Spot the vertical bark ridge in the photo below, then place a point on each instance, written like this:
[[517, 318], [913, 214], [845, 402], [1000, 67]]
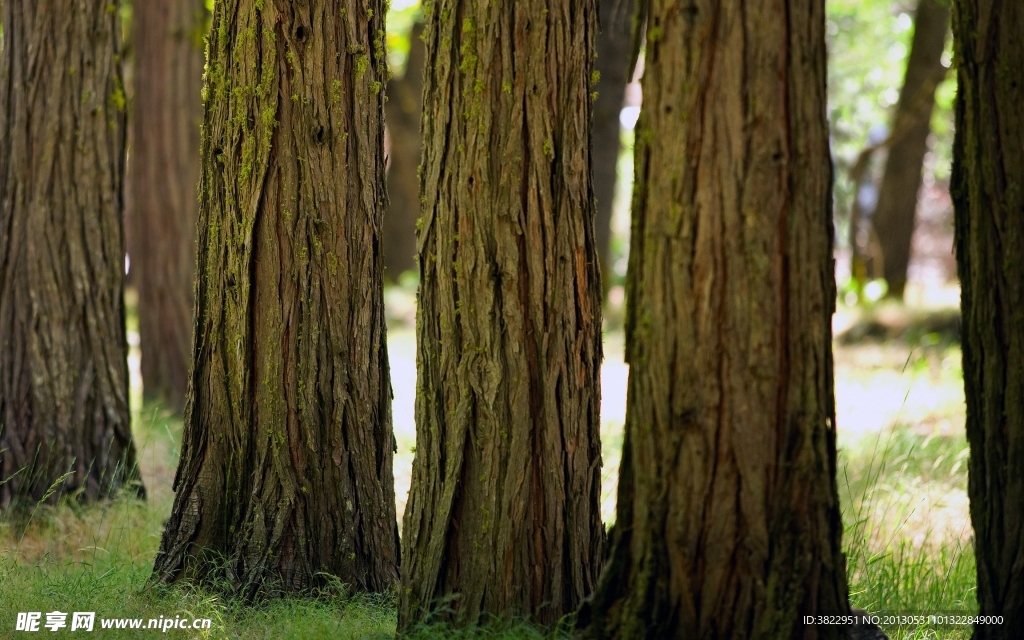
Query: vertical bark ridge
[[286, 457], [988, 162], [728, 519], [63, 367], [503, 514]]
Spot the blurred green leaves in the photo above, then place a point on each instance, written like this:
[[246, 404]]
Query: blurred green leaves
[[868, 43], [401, 16]]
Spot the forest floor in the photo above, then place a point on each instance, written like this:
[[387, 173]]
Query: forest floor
[[902, 483], [902, 460]]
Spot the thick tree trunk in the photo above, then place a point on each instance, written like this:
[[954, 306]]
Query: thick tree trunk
[[614, 46], [403, 110], [897, 200], [503, 514], [63, 353], [988, 167], [728, 522], [162, 179], [285, 473]]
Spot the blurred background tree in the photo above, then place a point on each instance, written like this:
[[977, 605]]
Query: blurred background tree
[[894, 215], [402, 113], [64, 412], [614, 66], [163, 171], [870, 47]]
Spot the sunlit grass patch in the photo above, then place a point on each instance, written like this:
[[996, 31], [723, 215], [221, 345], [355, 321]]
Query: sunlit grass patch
[[907, 531]]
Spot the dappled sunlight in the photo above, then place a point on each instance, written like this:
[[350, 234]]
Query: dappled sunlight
[[878, 385], [902, 458], [402, 358], [614, 382]]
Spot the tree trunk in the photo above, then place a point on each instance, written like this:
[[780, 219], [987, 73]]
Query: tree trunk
[[162, 179], [897, 200], [614, 46], [63, 352], [503, 514], [285, 473], [988, 166], [728, 522], [403, 116]]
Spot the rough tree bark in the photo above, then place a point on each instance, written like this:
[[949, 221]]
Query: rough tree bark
[[728, 522], [162, 178], [897, 200], [63, 366], [286, 472], [503, 514], [403, 110], [988, 167], [614, 48]]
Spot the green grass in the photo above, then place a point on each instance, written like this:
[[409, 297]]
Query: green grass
[[907, 534], [908, 551], [114, 586], [903, 491], [99, 559]]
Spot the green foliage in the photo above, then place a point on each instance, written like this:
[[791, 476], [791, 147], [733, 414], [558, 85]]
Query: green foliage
[[868, 44], [867, 293], [402, 14]]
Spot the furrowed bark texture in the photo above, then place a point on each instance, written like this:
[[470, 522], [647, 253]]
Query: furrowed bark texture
[[503, 515], [163, 176], [63, 353], [614, 48], [403, 108], [897, 200], [286, 456], [988, 168], [728, 522]]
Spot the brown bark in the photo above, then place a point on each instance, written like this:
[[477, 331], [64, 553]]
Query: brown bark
[[988, 166], [63, 353], [503, 514], [897, 199], [285, 473], [727, 522], [863, 252], [403, 117], [614, 48], [163, 179]]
